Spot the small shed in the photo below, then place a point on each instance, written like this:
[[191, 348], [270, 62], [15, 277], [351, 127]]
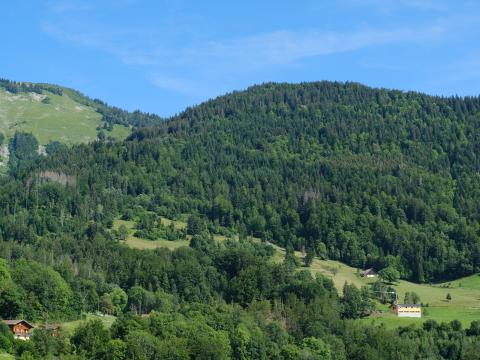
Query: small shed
[[369, 273], [20, 328], [407, 310]]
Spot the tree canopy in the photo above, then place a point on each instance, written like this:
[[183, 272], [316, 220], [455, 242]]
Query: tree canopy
[[371, 177]]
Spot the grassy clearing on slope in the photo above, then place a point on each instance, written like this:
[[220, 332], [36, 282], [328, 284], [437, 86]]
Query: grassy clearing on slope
[[335, 270], [144, 244], [176, 223], [468, 282], [70, 326], [465, 292], [61, 119], [119, 132]]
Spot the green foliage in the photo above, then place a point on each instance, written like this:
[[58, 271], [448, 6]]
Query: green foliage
[[55, 147], [474, 329], [195, 225], [316, 349], [374, 178], [383, 292], [356, 303], [411, 298], [310, 255], [116, 349], [45, 345], [389, 274], [363, 181], [291, 262], [6, 338], [10, 300], [123, 232], [44, 291], [91, 340], [23, 146], [151, 227]]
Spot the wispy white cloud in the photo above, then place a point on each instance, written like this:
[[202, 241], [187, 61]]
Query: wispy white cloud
[[263, 50], [131, 46], [192, 65], [285, 47]]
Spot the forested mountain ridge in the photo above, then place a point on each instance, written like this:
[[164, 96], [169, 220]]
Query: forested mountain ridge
[[369, 172], [371, 177]]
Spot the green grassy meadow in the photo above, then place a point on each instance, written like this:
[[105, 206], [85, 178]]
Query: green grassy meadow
[[70, 326], [119, 132], [62, 119], [144, 244], [465, 292]]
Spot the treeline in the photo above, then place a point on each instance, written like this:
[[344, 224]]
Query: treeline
[[114, 115], [367, 176], [209, 300], [186, 292], [20, 87], [371, 177]]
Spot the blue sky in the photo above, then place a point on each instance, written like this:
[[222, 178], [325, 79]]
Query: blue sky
[[162, 56]]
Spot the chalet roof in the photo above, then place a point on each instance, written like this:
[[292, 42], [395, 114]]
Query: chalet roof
[[15, 322], [370, 272], [408, 305]]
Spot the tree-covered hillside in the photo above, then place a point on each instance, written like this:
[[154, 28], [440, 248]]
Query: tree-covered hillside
[[367, 176], [370, 177]]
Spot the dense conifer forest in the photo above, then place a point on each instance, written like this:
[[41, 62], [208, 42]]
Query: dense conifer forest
[[371, 177]]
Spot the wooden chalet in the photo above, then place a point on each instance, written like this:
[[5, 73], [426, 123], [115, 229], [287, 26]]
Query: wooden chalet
[[369, 273], [21, 329]]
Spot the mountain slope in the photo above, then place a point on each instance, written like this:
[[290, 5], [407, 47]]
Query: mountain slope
[[58, 118], [371, 177], [368, 176], [54, 113]]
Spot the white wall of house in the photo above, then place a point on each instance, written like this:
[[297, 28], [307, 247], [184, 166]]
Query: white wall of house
[[411, 314]]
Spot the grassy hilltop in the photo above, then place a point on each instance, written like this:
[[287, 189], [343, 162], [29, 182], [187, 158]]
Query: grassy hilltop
[[55, 113], [58, 118]]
